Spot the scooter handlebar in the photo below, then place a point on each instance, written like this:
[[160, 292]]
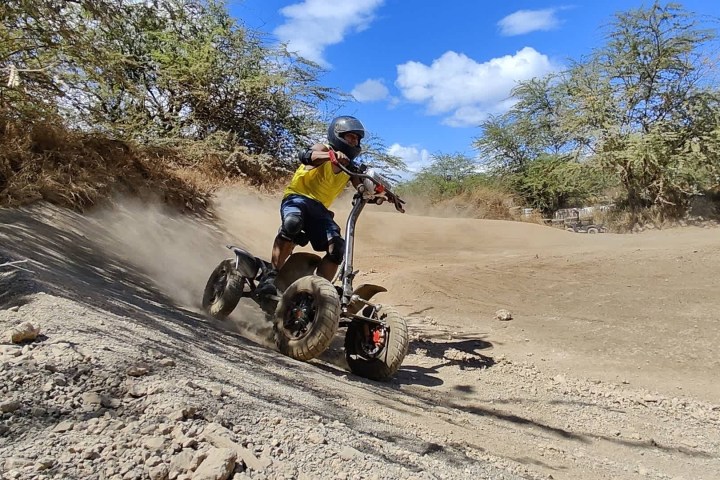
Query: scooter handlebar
[[378, 182]]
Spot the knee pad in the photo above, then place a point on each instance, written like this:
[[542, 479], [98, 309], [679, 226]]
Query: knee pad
[[291, 226], [336, 250]]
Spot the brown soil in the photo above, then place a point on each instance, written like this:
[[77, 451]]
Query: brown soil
[[608, 368]]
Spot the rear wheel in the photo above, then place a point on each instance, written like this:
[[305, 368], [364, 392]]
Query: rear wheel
[[375, 351], [223, 290], [306, 318]]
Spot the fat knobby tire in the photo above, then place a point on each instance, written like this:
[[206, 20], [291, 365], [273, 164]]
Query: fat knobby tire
[[324, 324], [222, 305], [387, 362]]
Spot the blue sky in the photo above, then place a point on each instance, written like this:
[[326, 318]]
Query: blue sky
[[425, 73]]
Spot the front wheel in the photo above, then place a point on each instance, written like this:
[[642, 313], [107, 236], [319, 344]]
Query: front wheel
[[306, 318], [223, 290], [375, 351]]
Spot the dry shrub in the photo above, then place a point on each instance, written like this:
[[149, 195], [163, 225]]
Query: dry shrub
[[484, 202], [706, 206], [215, 162], [534, 217], [258, 170], [45, 161], [626, 221]]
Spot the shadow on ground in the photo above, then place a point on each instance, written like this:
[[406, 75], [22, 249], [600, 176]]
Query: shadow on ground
[[67, 261]]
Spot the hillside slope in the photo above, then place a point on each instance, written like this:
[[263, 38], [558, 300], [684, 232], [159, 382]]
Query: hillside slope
[[607, 370]]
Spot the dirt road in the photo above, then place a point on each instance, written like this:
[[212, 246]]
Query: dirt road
[[608, 368]]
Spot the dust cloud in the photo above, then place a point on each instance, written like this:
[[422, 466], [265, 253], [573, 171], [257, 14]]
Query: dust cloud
[[178, 252]]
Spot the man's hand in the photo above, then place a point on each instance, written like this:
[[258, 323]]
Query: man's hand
[[342, 158]]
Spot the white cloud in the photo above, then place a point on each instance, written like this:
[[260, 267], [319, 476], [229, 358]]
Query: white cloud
[[314, 24], [465, 90], [370, 90], [526, 21], [415, 158]]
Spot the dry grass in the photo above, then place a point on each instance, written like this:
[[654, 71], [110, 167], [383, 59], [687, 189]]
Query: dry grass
[[44, 161], [484, 202]]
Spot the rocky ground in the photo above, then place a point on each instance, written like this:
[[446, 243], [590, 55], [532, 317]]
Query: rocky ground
[[114, 372]]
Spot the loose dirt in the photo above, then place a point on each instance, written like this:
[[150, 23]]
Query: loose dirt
[[608, 368]]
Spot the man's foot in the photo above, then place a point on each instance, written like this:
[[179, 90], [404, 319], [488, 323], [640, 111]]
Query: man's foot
[[266, 284]]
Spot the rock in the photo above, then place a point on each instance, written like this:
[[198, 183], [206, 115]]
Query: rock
[[64, 426], [109, 402], [25, 332], [44, 464], [181, 463], [10, 350], [316, 438], [138, 370], [219, 436], [349, 453], [218, 465], [153, 443], [182, 413], [456, 355], [16, 462], [503, 315], [167, 362], [9, 406], [91, 398], [158, 472], [136, 391]]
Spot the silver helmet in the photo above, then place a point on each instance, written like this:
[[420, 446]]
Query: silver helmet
[[340, 126]]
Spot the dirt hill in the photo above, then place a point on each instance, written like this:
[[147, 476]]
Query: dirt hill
[[608, 368]]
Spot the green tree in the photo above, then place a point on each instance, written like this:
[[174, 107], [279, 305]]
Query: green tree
[[536, 149], [551, 182], [448, 175], [642, 108], [646, 99], [162, 71]]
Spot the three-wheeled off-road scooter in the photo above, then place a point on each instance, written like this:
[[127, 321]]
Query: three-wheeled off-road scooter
[[309, 309]]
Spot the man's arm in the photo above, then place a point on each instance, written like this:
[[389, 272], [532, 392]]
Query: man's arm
[[319, 154]]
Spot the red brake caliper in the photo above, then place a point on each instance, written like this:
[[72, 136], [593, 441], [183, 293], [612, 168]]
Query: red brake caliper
[[377, 336]]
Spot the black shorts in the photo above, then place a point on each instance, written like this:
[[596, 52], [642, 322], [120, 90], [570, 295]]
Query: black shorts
[[318, 223]]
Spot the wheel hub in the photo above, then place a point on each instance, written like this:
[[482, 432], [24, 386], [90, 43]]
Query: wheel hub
[[300, 316]]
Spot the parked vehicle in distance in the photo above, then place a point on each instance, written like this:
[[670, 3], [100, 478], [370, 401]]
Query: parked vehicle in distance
[[585, 228]]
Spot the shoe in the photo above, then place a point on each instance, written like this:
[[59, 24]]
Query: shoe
[[266, 284]]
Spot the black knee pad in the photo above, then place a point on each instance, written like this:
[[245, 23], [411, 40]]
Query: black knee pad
[[291, 226], [336, 250]]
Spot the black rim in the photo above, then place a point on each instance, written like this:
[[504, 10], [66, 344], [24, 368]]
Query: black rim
[[299, 316]]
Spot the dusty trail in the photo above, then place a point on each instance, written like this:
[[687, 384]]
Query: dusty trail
[[608, 369]]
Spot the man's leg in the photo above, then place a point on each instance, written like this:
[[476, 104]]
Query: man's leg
[[281, 250], [291, 226], [327, 269], [332, 259]]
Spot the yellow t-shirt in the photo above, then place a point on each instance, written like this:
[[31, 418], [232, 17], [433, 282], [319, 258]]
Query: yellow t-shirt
[[319, 183]]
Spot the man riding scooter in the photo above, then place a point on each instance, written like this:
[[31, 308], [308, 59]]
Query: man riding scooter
[[304, 210]]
